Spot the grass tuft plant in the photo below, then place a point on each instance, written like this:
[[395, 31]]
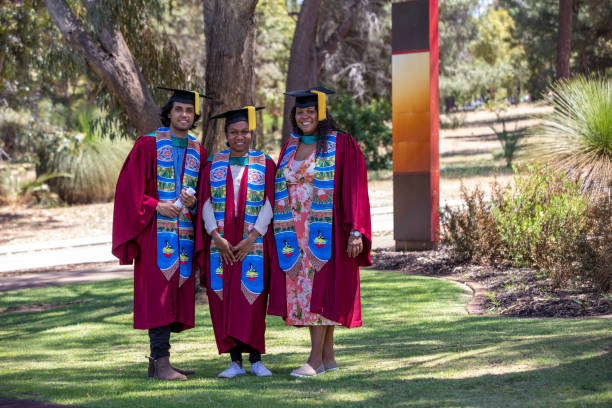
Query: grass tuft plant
[[94, 164], [577, 137]]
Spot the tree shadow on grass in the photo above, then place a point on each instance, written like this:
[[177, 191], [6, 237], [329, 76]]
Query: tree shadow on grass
[[418, 348], [571, 384]]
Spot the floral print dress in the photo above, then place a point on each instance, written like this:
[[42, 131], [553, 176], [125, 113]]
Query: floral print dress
[[300, 185]]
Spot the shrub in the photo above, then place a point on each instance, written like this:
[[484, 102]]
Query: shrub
[[577, 137], [595, 247], [540, 221], [470, 228], [545, 221], [366, 122]]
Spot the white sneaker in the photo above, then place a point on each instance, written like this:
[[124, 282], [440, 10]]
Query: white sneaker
[[233, 370], [260, 370]]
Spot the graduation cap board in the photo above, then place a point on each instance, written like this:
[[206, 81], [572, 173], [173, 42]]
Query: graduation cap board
[[183, 96], [306, 98], [246, 114]]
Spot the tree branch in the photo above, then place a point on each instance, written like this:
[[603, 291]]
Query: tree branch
[[112, 62], [331, 44]]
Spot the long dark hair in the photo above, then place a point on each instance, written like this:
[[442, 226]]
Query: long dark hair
[[324, 127], [165, 111]]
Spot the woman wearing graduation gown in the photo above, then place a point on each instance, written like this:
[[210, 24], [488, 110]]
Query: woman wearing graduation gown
[[321, 227], [237, 191]]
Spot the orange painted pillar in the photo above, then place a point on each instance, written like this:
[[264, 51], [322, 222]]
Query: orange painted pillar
[[416, 169]]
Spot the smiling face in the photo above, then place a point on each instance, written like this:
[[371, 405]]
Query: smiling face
[[181, 117], [307, 119], [239, 138]]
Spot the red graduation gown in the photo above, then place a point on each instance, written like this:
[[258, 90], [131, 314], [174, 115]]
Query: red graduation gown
[[157, 301], [233, 317], [335, 291]]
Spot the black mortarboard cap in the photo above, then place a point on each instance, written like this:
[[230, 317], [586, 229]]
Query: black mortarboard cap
[[246, 114], [183, 96], [306, 98]]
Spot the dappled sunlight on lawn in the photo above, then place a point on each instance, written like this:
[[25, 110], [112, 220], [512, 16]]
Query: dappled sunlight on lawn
[[418, 347]]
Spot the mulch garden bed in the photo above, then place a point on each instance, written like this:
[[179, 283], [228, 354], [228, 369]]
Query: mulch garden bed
[[501, 289]]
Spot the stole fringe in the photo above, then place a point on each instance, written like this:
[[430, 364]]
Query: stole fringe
[[182, 280], [293, 271], [169, 272], [250, 296], [219, 293], [317, 264]]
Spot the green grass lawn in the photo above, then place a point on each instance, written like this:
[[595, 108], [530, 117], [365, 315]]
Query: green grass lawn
[[418, 348]]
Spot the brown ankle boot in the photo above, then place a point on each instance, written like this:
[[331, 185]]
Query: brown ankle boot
[[164, 371], [151, 372], [184, 372]]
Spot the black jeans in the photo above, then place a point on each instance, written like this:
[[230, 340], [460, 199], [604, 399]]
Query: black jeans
[[236, 352], [159, 339]]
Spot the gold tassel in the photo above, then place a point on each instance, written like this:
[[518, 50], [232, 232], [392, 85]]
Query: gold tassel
[[321, 103], [197, 102], [252, 119]]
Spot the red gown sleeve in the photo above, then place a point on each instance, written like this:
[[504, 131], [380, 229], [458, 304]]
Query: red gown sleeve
[[277, 305], [355, 199], [135, 205], [201, 237]]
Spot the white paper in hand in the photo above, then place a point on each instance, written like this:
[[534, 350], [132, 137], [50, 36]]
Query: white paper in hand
[[178, 203]]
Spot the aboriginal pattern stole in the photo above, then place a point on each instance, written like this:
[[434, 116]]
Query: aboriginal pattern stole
[[175, 236], [252, 266], [320, 235]]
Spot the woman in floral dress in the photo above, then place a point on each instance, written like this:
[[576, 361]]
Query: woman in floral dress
[[321, 226]]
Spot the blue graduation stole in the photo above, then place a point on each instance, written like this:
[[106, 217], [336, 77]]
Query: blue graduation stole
[[175, 236], [321, 214], [252, 266]]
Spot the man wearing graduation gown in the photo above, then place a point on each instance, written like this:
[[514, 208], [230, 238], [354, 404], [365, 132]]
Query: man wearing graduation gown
[[237, 295], [153, 227]]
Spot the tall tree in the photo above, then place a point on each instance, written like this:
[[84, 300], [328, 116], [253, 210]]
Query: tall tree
[[311, 46], [229, 26], [537, 30], [109, 57], [565, 37]]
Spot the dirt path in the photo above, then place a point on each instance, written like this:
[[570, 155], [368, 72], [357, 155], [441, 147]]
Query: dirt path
[[465, 157]]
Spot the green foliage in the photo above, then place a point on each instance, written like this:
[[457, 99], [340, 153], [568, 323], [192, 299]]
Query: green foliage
[[368, 123], [503, 61], [577, 137], [540, 220], [536, 29], [457, 30], [34, 62], [544, 221]]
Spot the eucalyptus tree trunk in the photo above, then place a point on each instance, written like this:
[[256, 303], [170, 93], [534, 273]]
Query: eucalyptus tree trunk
[[565, 38], [229, 26], [309, 50], [109, 57]]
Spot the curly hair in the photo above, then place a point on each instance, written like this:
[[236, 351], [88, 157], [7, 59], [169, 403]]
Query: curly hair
[[324, 127], [165, 111]]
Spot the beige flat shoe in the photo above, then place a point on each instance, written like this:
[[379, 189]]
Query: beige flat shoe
[[307, 371], [331, 366]]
